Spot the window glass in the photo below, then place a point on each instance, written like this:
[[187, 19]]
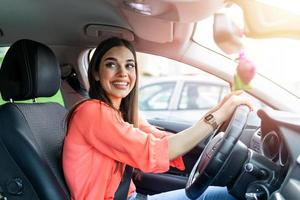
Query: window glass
[[156, 96], [3, 51], [199, 96], [275, 58]]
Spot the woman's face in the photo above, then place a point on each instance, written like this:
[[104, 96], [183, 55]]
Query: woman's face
[[117, 73]]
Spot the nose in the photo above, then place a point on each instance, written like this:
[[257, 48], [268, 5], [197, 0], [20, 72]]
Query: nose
[[122, 72]]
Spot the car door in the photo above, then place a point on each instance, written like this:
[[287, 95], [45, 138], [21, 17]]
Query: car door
[[153, 183]]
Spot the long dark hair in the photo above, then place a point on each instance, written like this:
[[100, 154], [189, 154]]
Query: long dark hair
[[129, 104]]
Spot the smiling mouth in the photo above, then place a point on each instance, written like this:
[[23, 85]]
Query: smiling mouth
[[120, 84]]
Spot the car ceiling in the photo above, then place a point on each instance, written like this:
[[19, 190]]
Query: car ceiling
[[55, 22], [85, 23]]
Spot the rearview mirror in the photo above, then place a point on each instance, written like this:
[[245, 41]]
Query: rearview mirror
[[227, 35]]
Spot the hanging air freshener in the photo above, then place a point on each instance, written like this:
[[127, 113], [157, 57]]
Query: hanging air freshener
[[245, 72]]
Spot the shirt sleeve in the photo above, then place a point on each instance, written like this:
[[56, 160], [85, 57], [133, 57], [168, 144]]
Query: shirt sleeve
[[149, 129], [103, 129]]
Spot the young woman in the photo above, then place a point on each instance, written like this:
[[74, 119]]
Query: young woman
[[105, 132]]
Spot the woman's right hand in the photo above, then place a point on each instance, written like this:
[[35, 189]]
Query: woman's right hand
[[228, 105]]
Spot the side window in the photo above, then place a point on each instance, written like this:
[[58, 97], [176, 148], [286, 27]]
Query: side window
[[3, 51], [156, 96], [56, 98], [198, 95]]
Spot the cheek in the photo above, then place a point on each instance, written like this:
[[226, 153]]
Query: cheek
[[133, 78], [105, 75]]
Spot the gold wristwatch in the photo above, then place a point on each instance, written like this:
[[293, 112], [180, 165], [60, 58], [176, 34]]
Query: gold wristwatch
[[211, 120]]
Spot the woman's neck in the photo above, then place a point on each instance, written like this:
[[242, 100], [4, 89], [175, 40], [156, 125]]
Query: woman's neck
[[116, 102]]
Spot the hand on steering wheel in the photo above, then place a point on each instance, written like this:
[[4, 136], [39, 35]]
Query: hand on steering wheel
[[215, 155]]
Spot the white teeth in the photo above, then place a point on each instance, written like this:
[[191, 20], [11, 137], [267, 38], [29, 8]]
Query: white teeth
[[120, 83]]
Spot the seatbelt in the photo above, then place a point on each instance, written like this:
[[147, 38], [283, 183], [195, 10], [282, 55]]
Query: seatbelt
[[122, 191], [69, 74]]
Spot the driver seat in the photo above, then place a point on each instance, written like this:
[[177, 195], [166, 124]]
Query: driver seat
[[32, 134]]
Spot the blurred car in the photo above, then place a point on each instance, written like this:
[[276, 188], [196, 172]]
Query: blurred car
[[181, 99]]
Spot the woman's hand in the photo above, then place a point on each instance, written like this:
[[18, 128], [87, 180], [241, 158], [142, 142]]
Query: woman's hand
[[187, 139], [227, 106]]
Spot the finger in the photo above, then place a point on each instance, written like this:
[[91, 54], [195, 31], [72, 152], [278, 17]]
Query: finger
[[229, 95], [244, 101]]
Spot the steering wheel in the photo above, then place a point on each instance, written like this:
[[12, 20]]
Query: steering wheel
[[215, 155]]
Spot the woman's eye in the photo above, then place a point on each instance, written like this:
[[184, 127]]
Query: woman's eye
[[111, 65], [130, 66]]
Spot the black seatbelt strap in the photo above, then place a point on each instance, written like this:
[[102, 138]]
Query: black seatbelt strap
[[122, 191], [69, 74]]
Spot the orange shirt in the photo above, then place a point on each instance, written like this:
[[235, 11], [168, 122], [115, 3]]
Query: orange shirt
[[97, 138]]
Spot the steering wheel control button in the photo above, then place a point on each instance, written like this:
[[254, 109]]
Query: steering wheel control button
[[249, 167], [255, 171], [15, 186], [256, 192], [251, 196]]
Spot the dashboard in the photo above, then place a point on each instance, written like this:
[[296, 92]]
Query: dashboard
[[275, 150], [271, 145]]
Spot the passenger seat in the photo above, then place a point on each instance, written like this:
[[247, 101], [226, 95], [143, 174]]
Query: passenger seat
[[31, 134]]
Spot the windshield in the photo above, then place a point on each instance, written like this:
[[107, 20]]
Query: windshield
[[275, 58]]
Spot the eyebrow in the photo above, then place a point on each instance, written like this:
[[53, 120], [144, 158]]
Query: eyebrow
[[111, 58]]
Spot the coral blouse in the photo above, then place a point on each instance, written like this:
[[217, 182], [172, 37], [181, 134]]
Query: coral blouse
[[98, 137]]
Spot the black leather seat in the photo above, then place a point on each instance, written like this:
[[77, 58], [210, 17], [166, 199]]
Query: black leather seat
[[31, 134]]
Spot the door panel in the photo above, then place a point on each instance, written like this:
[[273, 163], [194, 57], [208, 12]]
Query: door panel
[[151, 183]]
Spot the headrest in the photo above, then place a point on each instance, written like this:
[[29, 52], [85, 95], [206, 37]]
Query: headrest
[[29, 70]]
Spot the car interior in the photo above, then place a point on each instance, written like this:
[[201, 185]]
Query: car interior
[[49, 43]]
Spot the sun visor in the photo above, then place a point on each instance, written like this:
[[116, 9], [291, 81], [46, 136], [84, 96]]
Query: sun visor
[[227, 35], [102, 32], [147, 27], [264, 20]]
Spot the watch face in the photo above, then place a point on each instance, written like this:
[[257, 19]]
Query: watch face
[[209, 117]]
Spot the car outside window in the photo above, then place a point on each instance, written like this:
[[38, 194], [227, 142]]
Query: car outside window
[[156, 96], [199, 96]]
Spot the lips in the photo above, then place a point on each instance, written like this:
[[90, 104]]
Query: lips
[[120, 84]]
